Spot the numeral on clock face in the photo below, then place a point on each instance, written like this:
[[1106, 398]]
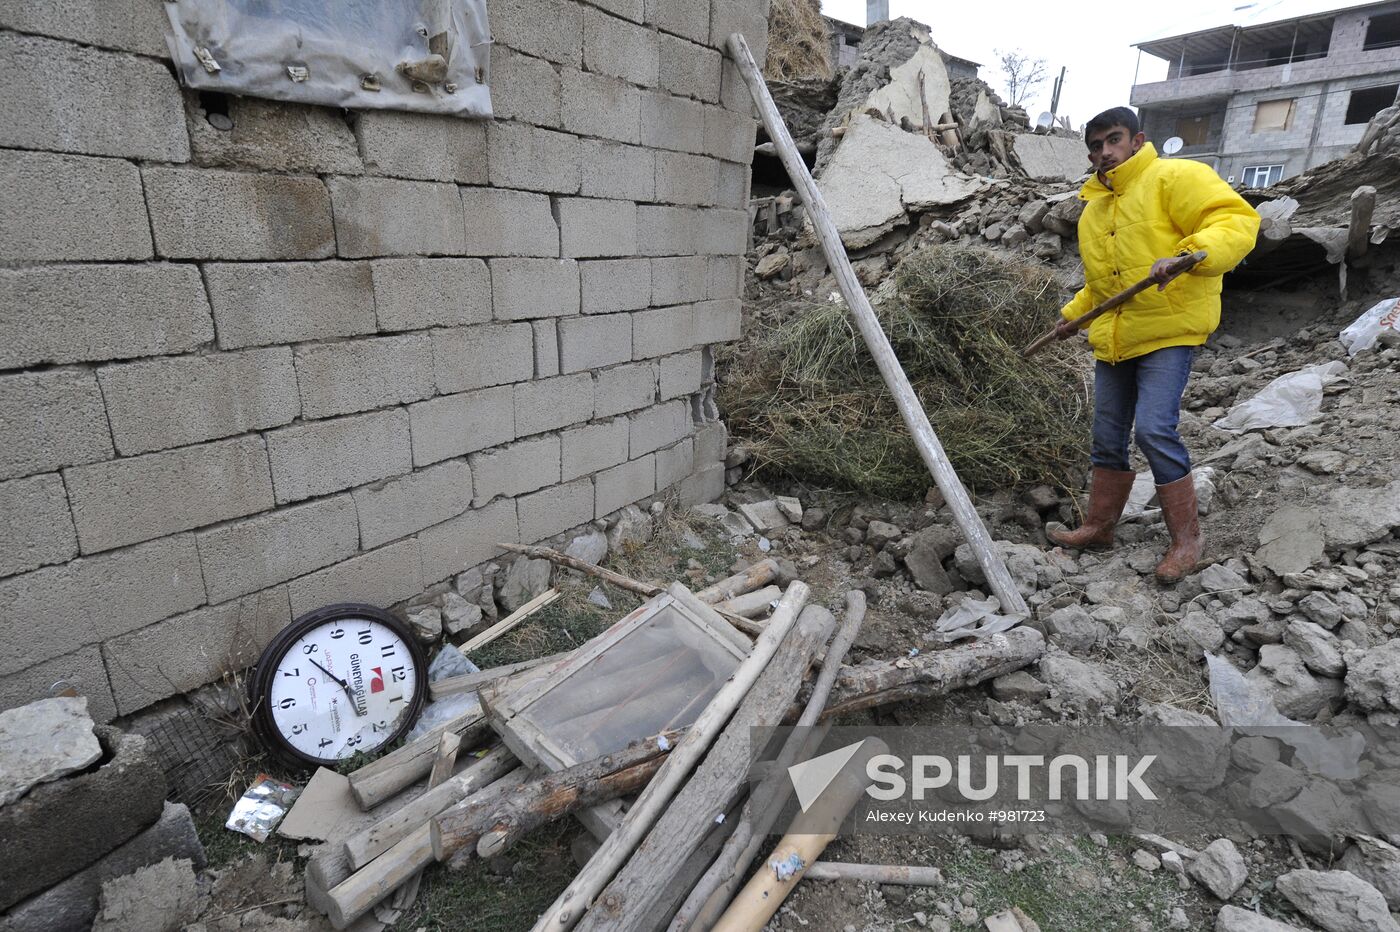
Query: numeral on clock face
[[332, 696]]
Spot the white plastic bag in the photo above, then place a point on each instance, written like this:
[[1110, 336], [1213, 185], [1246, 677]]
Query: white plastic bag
[[959, 621], [1363, 332], [1290, 400]]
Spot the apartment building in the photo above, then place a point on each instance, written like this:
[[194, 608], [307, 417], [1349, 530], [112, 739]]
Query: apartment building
[[1267, 96]]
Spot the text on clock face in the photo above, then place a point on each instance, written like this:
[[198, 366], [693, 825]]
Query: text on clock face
[[341, 687]]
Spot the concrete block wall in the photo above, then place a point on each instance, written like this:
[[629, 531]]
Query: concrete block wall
[[326, 356]]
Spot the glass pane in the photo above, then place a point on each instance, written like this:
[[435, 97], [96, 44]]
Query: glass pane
[[660, 676]]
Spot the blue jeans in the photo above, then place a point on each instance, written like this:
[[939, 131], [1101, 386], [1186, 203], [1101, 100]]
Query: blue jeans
[[1146, 390]]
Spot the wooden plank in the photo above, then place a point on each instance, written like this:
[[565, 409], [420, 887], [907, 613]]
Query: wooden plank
[[471, 682], [569, 906], [368, 844], [378, 780], [509, 622], [628, 902], [930, 448], [490, 826]]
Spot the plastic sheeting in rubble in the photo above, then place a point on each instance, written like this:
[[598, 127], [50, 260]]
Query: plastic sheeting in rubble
[[1290, 400], [1382, 321], [427, 55]]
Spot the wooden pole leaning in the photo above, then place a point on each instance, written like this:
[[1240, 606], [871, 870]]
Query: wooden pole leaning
[[930, 449], [570, 905]]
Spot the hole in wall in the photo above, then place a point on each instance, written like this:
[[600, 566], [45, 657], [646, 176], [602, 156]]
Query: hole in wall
[[215, 107]]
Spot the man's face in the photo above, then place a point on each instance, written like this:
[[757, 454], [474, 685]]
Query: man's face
[[1109, 148]]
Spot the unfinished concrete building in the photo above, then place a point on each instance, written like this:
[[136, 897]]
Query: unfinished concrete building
[[262, 356], [1265, 98]]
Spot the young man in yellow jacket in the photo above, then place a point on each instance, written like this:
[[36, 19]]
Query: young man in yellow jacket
[[1141, 212]]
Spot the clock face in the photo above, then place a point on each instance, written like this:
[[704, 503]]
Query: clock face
[[339, 682]]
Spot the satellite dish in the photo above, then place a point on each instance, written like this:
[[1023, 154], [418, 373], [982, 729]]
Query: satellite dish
[[1173, 145], [1045, 122]]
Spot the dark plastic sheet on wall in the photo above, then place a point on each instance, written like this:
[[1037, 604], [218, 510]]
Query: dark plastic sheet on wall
[[423, 55]]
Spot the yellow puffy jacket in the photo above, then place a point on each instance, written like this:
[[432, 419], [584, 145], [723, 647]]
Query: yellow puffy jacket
[[1157, 208]]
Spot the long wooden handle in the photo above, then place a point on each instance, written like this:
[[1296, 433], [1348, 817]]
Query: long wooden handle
[[1180, 265]]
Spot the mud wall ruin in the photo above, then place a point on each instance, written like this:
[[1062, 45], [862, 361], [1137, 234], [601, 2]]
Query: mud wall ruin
[[321, 356]]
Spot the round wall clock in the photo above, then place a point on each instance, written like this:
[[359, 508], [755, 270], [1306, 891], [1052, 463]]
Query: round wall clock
[[339, 681]]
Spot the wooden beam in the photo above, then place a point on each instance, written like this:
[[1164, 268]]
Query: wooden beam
[[929, 446], [568, 908], [908, 875], [628, 902]]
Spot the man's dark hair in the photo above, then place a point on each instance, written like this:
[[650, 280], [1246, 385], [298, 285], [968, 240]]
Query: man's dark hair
[[1118, 116]]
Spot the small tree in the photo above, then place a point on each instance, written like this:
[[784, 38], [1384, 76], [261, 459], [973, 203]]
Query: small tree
[[1023, 74]]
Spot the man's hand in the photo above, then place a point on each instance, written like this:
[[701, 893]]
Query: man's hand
[[1164, 270], [1066, 329]]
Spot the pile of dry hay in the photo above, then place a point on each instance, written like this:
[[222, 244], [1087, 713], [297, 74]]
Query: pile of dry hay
[[806, 399], [799, 45]]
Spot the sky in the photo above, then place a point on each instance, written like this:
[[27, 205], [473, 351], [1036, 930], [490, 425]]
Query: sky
[[1093, 44]]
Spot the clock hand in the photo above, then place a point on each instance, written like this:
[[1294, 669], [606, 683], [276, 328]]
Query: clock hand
[[343, 685]]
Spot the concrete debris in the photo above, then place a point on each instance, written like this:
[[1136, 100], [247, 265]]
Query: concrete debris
[[159, 898], [1338, 901], [881, 173], [1051, 158], [1291, 540], [43, 741], [765, 516]]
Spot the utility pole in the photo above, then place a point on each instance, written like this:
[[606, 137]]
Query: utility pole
[[876, 11], [1055, 96]]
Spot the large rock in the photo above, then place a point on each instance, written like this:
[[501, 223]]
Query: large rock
[[632, 528], [1051, 158], [160, 898], [524, 580], [1320, 816], [1373, 678], [1019, 686], [1234, 919], [1193, 752], [64, 826], [43, 741], [1355, 517], [1219, 868], [879, 173], [1078, 683], [1220, 580], [1295, 691], [460, 616], [591, 547], [72, 903], [1275, 783], [1075, 629], [1291, 540], [1338, 901], [1317, 647], [1377, 863]]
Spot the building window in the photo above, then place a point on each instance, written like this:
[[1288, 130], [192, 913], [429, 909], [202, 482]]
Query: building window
[[1383, 32], [1366, 102], [1193, 130], [1261, 176], [1273, 116]]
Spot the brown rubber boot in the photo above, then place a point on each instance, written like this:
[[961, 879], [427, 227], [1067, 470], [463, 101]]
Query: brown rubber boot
[[1108, 493], [1178, 500]]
